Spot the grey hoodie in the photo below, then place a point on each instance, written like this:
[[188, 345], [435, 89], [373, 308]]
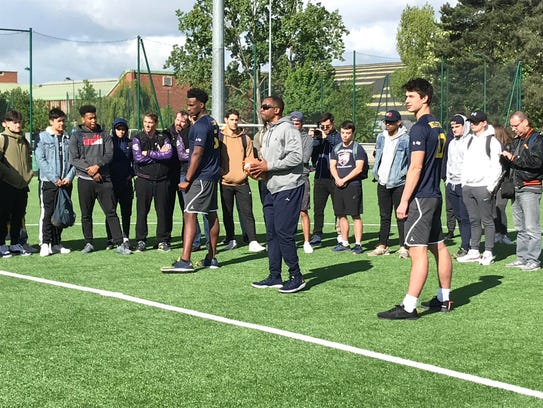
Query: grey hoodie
[[282, 150]]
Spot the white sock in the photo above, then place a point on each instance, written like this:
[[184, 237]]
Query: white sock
[[443, 294], [345, 243], [410, 303]]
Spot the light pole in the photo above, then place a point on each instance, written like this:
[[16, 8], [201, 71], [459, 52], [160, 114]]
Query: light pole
[[270, 51], [73, 92]]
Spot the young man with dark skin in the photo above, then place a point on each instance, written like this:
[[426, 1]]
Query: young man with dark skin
[[421, 204], [91, 151], [200, 185]]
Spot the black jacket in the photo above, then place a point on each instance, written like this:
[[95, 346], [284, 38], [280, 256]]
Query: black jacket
[[527, 164]]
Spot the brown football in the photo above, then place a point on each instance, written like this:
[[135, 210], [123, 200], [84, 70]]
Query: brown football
[[247, 163]]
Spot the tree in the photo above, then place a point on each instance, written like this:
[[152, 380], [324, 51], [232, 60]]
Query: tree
[[299, 40], [481, 44], [19, 100]]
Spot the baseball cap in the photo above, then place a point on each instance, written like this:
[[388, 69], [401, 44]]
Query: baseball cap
[[392, 116], [477, 117]]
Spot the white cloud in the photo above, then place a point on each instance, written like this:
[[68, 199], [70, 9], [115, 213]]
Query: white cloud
[[111, 27]]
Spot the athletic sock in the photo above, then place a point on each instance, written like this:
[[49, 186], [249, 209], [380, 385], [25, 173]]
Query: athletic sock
[[443, 294], [410, 303]]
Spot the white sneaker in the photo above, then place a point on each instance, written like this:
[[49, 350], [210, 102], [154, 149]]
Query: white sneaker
[[18, 249], [45, 250], [4, 251], [507, 241], [255, 247], [59, 249], [487, 258], [308, 249], [472, 256], [232, 244]]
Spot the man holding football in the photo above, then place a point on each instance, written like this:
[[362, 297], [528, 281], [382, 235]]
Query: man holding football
[[283, 164]]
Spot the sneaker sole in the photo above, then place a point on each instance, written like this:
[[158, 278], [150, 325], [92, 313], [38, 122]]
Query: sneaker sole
[[171, 269], [467, 260], [276, 286], [293, 290]]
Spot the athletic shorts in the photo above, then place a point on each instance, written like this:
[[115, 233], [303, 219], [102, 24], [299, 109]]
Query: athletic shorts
[[423, 223], [201, 197], [305, 197], [347, 200]]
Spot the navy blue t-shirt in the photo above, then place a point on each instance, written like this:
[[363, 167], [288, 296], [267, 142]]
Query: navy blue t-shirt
[[428, 136], [205, 133], [346, 161]]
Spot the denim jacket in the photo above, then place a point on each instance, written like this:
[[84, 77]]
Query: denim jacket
[[47, 152], [400, 163]]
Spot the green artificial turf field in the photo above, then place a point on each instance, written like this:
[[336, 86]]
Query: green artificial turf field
[[63, 347]]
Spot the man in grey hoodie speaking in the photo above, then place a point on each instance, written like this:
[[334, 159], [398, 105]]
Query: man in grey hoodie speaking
[[282, 164]]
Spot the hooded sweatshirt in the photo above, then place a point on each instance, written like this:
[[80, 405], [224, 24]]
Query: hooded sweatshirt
[[455, 155], [282, 150], [120, 167], [479, 170], [15, 160], [233, 155], [89, 148]]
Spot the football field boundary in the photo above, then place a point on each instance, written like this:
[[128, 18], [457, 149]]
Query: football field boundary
[[288, 334]]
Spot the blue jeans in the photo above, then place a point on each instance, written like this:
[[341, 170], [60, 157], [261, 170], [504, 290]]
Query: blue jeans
[[454, 196], [525, 211], [197, 239]]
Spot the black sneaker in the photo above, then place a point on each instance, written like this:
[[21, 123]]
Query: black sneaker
[[398, 313], [164, 247], [435, 304], [461, 252], [140, 246], [294, 284], [269, 282]]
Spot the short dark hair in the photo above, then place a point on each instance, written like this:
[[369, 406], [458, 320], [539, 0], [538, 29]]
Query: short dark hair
[[13, 116], [348, 125], [56, 113], [198, 94], [232, 112], [182, 113], [277, 101], [420, 86], [327, 116], [83, 110], [152, 115]]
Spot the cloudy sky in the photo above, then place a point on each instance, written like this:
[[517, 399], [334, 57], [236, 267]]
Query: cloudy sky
[[97, 39]]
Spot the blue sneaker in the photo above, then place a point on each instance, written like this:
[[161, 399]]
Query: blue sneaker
[[177, 267], [269, 282], [357, 250], [340, 248], [294, 284], [315, 240], [209, 263]]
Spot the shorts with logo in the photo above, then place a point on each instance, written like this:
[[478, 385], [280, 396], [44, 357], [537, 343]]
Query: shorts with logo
[[423, 223], [201, 197], [348, 200]]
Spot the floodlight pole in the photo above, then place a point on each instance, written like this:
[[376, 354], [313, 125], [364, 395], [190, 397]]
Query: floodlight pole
[[217, 85], [270, 51]]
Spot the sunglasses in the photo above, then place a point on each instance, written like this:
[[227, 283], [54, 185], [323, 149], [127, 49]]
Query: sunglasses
[[266, 107], [326, 127]]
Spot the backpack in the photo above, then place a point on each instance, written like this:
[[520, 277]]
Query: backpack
[[488, 139], [365, 167]]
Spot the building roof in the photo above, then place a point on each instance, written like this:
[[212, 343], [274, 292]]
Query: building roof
[[56, 91]]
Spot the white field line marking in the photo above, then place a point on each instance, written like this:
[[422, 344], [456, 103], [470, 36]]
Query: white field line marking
[[296, 336]]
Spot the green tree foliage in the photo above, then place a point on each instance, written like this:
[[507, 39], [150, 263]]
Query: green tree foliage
[[19, 100], [124, 104], [304, 35], [341, 105], [485, 40]]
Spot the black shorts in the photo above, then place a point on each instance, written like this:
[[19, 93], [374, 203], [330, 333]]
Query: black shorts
[[423, 223], [305, 197], [201, 197], [348, 200]]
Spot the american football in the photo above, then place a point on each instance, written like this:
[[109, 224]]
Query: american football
[[247, 163]]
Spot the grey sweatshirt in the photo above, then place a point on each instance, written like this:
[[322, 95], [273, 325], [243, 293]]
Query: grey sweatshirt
[[282, 150]]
